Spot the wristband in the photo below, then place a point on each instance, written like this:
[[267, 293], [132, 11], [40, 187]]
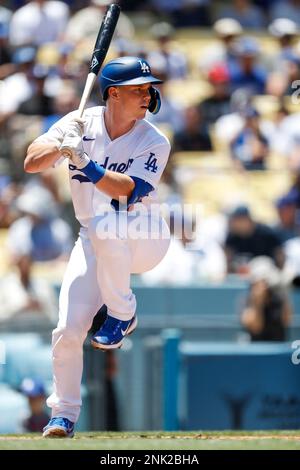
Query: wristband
[[93, 171]]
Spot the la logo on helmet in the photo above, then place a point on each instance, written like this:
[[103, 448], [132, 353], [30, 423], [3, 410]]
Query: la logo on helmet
[[144, 67]]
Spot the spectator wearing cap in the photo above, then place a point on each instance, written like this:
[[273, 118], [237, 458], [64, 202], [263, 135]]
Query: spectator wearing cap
[[250, 148], [289, 216], [246, 73], [34, 390], [218, 104], [285, 32], [226, 30], [174, 59], [247, 239], [268, 311], [289, 9], [85, 23], [285, 64], [38, 22], [247, 14]]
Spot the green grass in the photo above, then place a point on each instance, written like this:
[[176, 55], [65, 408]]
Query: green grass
[[239, 440]]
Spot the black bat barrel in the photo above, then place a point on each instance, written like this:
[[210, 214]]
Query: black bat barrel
[[104, 37]]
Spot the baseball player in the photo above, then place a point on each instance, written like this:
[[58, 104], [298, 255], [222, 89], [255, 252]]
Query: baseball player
[[115, 155]]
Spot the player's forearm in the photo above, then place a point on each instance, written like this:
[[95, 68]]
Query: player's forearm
[[116, 185], [40, 157]]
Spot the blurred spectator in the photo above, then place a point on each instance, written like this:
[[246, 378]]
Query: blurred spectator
[[247, 14], [44, 235], [34, 390], [290, 141], [65, 101], [292, 264], [288, 213], [8, 194], [195, 134], [85, 23], [128, 47], [296, 185], [274, 130], [165, 6], [285, 31], [268, 311], [218, 104], [293, 152], [18, 87], [227, 31], [247, 239], [246, 73], [285, 63], [227, 127], [250, 148], [6, 67], [39, 103], [38, 22], [184, 13], [171, 113], [286, 9], [174, 60]]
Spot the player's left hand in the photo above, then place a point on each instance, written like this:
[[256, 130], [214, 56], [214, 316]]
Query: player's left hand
[[72, 146]]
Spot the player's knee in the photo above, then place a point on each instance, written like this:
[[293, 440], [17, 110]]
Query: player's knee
[[67, 338]]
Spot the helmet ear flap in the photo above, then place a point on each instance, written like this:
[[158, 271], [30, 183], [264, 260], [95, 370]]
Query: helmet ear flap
[[155, 102]]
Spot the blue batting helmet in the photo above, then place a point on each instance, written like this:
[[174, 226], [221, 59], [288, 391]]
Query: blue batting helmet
[[125, 71]]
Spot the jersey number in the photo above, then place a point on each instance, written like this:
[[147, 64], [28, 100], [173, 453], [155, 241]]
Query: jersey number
[[150, 164]]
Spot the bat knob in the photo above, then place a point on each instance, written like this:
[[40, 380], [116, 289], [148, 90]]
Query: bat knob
[[66, 152]]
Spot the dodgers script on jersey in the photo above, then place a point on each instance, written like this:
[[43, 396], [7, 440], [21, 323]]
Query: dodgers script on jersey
[[142, 152]]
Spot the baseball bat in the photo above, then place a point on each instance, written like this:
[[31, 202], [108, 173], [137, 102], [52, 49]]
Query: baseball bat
[[102, 44]]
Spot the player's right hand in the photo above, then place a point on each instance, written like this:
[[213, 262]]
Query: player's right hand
[[72, 146]]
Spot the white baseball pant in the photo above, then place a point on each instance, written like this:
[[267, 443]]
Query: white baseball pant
[[98, 273]]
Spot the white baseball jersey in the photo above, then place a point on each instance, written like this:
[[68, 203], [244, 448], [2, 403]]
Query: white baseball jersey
[[142, 152]]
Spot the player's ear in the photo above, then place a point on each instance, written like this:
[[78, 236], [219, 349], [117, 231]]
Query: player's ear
[[113, 93]]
